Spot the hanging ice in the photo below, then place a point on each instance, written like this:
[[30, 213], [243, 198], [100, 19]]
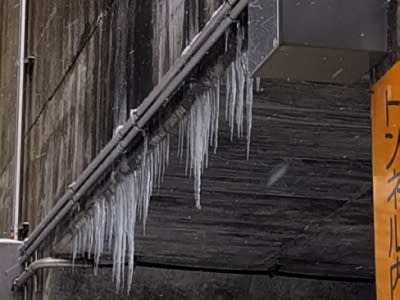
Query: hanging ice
[[199, 129], [239, 90], [113, 217], [113, 214]]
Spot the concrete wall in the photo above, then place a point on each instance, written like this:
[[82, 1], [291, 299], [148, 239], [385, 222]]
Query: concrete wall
[[69, 114], [9, 22], [94, 60]]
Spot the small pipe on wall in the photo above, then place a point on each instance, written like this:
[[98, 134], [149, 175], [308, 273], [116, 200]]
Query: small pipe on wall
[[45, 263], [19, 121]]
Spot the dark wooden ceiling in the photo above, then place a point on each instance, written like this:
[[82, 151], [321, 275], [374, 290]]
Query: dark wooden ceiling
[[315, 220]]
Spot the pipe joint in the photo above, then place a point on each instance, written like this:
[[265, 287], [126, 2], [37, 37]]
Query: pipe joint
[[233, 18], [22, 249], [231, 3], [71, 188], [75, 198], [134, 116], [122, 146], [23, 257], [119, 132]]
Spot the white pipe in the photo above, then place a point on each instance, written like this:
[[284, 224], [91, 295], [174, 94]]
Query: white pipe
[[20, 110], [45, 263]]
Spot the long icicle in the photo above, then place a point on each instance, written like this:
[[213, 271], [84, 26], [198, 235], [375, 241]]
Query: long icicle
[[114, 214], [114, 219], [200, 127]]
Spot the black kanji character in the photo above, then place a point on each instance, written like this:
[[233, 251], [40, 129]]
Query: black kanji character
[[393, 236], [396, 188], [394, 279], [390, 136], [388, 104]]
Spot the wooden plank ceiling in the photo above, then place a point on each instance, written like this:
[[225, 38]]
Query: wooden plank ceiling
[[315, 220]]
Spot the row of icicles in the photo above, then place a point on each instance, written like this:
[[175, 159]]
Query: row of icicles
[[112, 219]]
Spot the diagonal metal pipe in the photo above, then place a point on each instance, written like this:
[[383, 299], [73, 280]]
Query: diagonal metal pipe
[[199, 47], [113, 143]]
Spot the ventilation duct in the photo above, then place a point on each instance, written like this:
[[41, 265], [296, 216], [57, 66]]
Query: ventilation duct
[[334, 41]]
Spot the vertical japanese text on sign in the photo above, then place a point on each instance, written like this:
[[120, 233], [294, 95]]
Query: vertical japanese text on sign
[[385, 114]]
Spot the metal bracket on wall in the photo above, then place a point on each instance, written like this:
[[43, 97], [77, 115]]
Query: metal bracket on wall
[[29, 64]]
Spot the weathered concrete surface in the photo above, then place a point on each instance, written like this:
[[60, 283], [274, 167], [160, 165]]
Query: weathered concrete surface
[[70, 117], [9, 16], [94, 60], [170, 284], [58, 32]]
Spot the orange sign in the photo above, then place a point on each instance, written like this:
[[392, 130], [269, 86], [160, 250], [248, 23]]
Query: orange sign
[[385, 108]]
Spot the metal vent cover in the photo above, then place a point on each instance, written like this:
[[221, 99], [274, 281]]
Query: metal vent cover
[[316, 40]]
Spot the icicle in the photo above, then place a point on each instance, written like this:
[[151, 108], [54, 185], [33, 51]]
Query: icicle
[[232, 99], [74, 249], [181, 138], [114, 218], [200, 130], [111, 218], [227, 33], [132, 211], [240, 69], [167, 152], [240, 98], [118, 234], [239, 92], [99, 227], [216, 109], [201, 126], [228, 94], [214, 95], [258, 84], [249, 110], [113, 214]]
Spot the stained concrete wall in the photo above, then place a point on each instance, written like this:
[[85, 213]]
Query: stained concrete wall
[[69, 114], [94, 60], [9, 18]]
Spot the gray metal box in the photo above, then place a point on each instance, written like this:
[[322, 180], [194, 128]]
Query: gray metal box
[[317, 40], [9, 268]]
